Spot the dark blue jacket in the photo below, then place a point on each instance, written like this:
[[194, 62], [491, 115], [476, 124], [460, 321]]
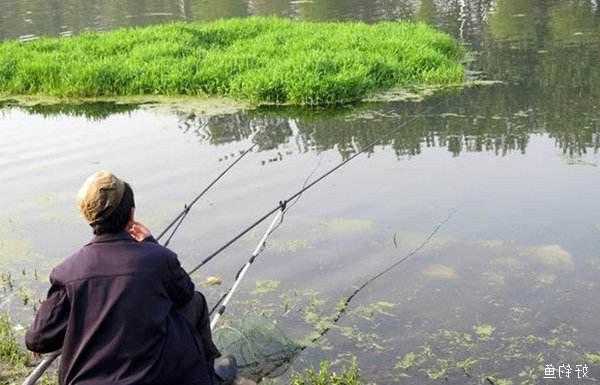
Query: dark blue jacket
[[112, 311]]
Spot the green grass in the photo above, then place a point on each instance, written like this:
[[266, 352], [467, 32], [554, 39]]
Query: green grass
[[10, 350], [257, 60], [15, 362], [325, 376], [12, 357]]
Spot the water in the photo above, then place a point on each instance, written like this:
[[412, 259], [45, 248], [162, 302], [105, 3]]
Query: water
[[507, 286]]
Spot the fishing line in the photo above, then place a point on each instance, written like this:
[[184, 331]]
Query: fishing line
[[284, 210], [306, 188], [181, 216], [344, 305]]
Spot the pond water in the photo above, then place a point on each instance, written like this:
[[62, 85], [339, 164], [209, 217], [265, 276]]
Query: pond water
[[508, 284]]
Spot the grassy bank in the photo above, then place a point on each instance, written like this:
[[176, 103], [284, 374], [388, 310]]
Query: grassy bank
[[259, 60], [15, 362]]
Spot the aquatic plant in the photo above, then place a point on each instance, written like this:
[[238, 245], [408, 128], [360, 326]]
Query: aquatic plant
[[326, 376], [261, 60], [10, 350], [14, 360]]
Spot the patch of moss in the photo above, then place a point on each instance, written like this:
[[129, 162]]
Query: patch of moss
[[260, 60]]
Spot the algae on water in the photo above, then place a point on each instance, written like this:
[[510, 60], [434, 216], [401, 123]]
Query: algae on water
[[552, 256], [484, 331], [259, 60], [265, 286], [439, 271]]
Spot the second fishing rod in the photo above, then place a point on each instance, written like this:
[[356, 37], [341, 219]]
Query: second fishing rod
[[306, 187]]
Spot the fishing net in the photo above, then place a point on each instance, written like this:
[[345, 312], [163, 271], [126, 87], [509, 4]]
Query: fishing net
[[259, 346]]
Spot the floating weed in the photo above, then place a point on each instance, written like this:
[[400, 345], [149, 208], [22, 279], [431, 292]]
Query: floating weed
[[261, 60], [438, 271], [326, 376], [369, 311], [450, 354], [456, 338], [409, 360], [362, 340], [212, 281], [592, 358], [484, 331], [553, 256], [439, 370], [467, 364], [265, 286]]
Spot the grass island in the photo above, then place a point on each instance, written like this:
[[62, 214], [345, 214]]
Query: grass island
[[258, 60]]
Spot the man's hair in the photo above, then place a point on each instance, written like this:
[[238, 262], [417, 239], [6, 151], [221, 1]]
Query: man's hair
[[119, 218]]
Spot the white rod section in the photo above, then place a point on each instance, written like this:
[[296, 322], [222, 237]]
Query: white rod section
[[214, 321]]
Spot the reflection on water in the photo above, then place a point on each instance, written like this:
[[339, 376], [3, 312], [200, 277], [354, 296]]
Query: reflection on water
[[515, 20], [499, 119]]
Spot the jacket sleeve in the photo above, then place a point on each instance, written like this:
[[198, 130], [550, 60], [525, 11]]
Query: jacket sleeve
[[178, 283], [47, 332]]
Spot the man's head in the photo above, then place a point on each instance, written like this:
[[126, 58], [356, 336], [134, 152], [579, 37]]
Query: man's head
[[106, 202]]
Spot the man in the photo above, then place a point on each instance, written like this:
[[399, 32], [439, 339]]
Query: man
[[121, 309]]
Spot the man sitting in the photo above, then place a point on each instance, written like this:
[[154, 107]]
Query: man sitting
[[121, 309]]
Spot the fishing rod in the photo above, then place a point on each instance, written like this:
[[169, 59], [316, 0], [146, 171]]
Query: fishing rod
[[186, 209], [177, 221], [224, 301], [284, 209], [304, 189]]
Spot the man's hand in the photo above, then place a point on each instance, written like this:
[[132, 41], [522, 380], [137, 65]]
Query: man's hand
[[139, 231]]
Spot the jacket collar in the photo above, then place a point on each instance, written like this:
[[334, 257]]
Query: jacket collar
[[111, 237]]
